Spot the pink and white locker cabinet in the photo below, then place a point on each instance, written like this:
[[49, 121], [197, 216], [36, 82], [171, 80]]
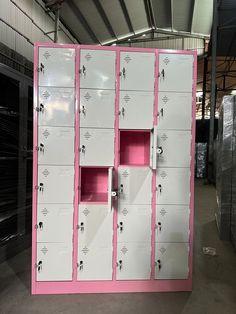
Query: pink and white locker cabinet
[[113, 169]]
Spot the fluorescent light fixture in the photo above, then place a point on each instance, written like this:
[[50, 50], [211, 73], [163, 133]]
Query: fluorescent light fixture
[[233, 92]]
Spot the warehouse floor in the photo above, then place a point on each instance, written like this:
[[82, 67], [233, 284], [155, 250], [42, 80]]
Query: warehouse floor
[[214, 289]]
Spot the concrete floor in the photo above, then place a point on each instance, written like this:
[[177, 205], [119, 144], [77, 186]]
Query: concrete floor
[[214, 286]]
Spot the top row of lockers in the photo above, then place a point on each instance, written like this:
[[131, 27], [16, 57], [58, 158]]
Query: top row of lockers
[[98, 69]]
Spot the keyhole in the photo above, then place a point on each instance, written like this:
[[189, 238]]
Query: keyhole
[[40, 225]]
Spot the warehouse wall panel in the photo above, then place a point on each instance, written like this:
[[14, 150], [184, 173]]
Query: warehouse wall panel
[[27, 17]]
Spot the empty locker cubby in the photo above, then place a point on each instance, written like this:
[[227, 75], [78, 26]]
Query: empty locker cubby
[[134, 148], [94, 185]]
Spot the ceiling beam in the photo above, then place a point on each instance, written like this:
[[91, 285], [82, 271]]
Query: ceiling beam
[[127, 17], [129, 38], [150, 13], [82, 20], [104, 17], [193, 9], [143, 40], [172, 14], [181, 34]]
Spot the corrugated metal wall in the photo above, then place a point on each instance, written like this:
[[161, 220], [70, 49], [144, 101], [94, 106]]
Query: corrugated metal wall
[[28, 18]]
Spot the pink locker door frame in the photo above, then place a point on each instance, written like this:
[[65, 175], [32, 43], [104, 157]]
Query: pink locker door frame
[[113, 285]]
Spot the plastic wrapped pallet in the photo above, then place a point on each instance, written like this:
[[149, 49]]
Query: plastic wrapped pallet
[[200, 160], [224, 166]]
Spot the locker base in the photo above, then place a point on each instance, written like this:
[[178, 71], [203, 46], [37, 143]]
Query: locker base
[[111, 286]]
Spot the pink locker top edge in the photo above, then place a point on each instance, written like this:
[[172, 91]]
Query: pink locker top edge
[[114, 48]]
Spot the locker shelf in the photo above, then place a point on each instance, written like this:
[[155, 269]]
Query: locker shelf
[[134, 148], [94, 185]]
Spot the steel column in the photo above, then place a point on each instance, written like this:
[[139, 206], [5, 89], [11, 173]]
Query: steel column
[[213, 93], [204, 87], [57, 21]]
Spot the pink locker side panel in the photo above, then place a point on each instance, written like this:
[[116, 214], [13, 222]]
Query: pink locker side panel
[[85, 180]]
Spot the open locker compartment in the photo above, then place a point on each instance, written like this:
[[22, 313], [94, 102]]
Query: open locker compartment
[[135, 148], [95, 184]]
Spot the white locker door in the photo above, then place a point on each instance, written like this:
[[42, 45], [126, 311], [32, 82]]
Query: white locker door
[[175, 72], [137, 71], [173, 186], [97, 69], [56, 106], [172, 260], [133, 261], [174, 111], [95, 262], [95, 234], [55, 184], [56, 67], [54, 223], [96, 147], [135, 185], [97, 108], [95, 225], [54, 262], [172, 223], [174, 147], [136, 110], [134, 223], [56, 145]]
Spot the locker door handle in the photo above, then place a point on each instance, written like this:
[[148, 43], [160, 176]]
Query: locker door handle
[[153, 153], [39, 266], [82, 149], [162, 74], [119, 264], [83, 70], [40, 225], [41, 68], [160, 188], [121, 189], [123, 72], [159, 150], [120, 226], [81, 226], [122, 111], [40, 187], [40, 108], [81, 265], [40, 148], [158, 225], [111, 193], [158, 264], [83, 110], [161, 113]]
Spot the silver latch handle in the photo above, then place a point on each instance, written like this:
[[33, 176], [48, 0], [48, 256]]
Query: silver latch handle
[[120, 226], [82, 149], [119, 264]]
